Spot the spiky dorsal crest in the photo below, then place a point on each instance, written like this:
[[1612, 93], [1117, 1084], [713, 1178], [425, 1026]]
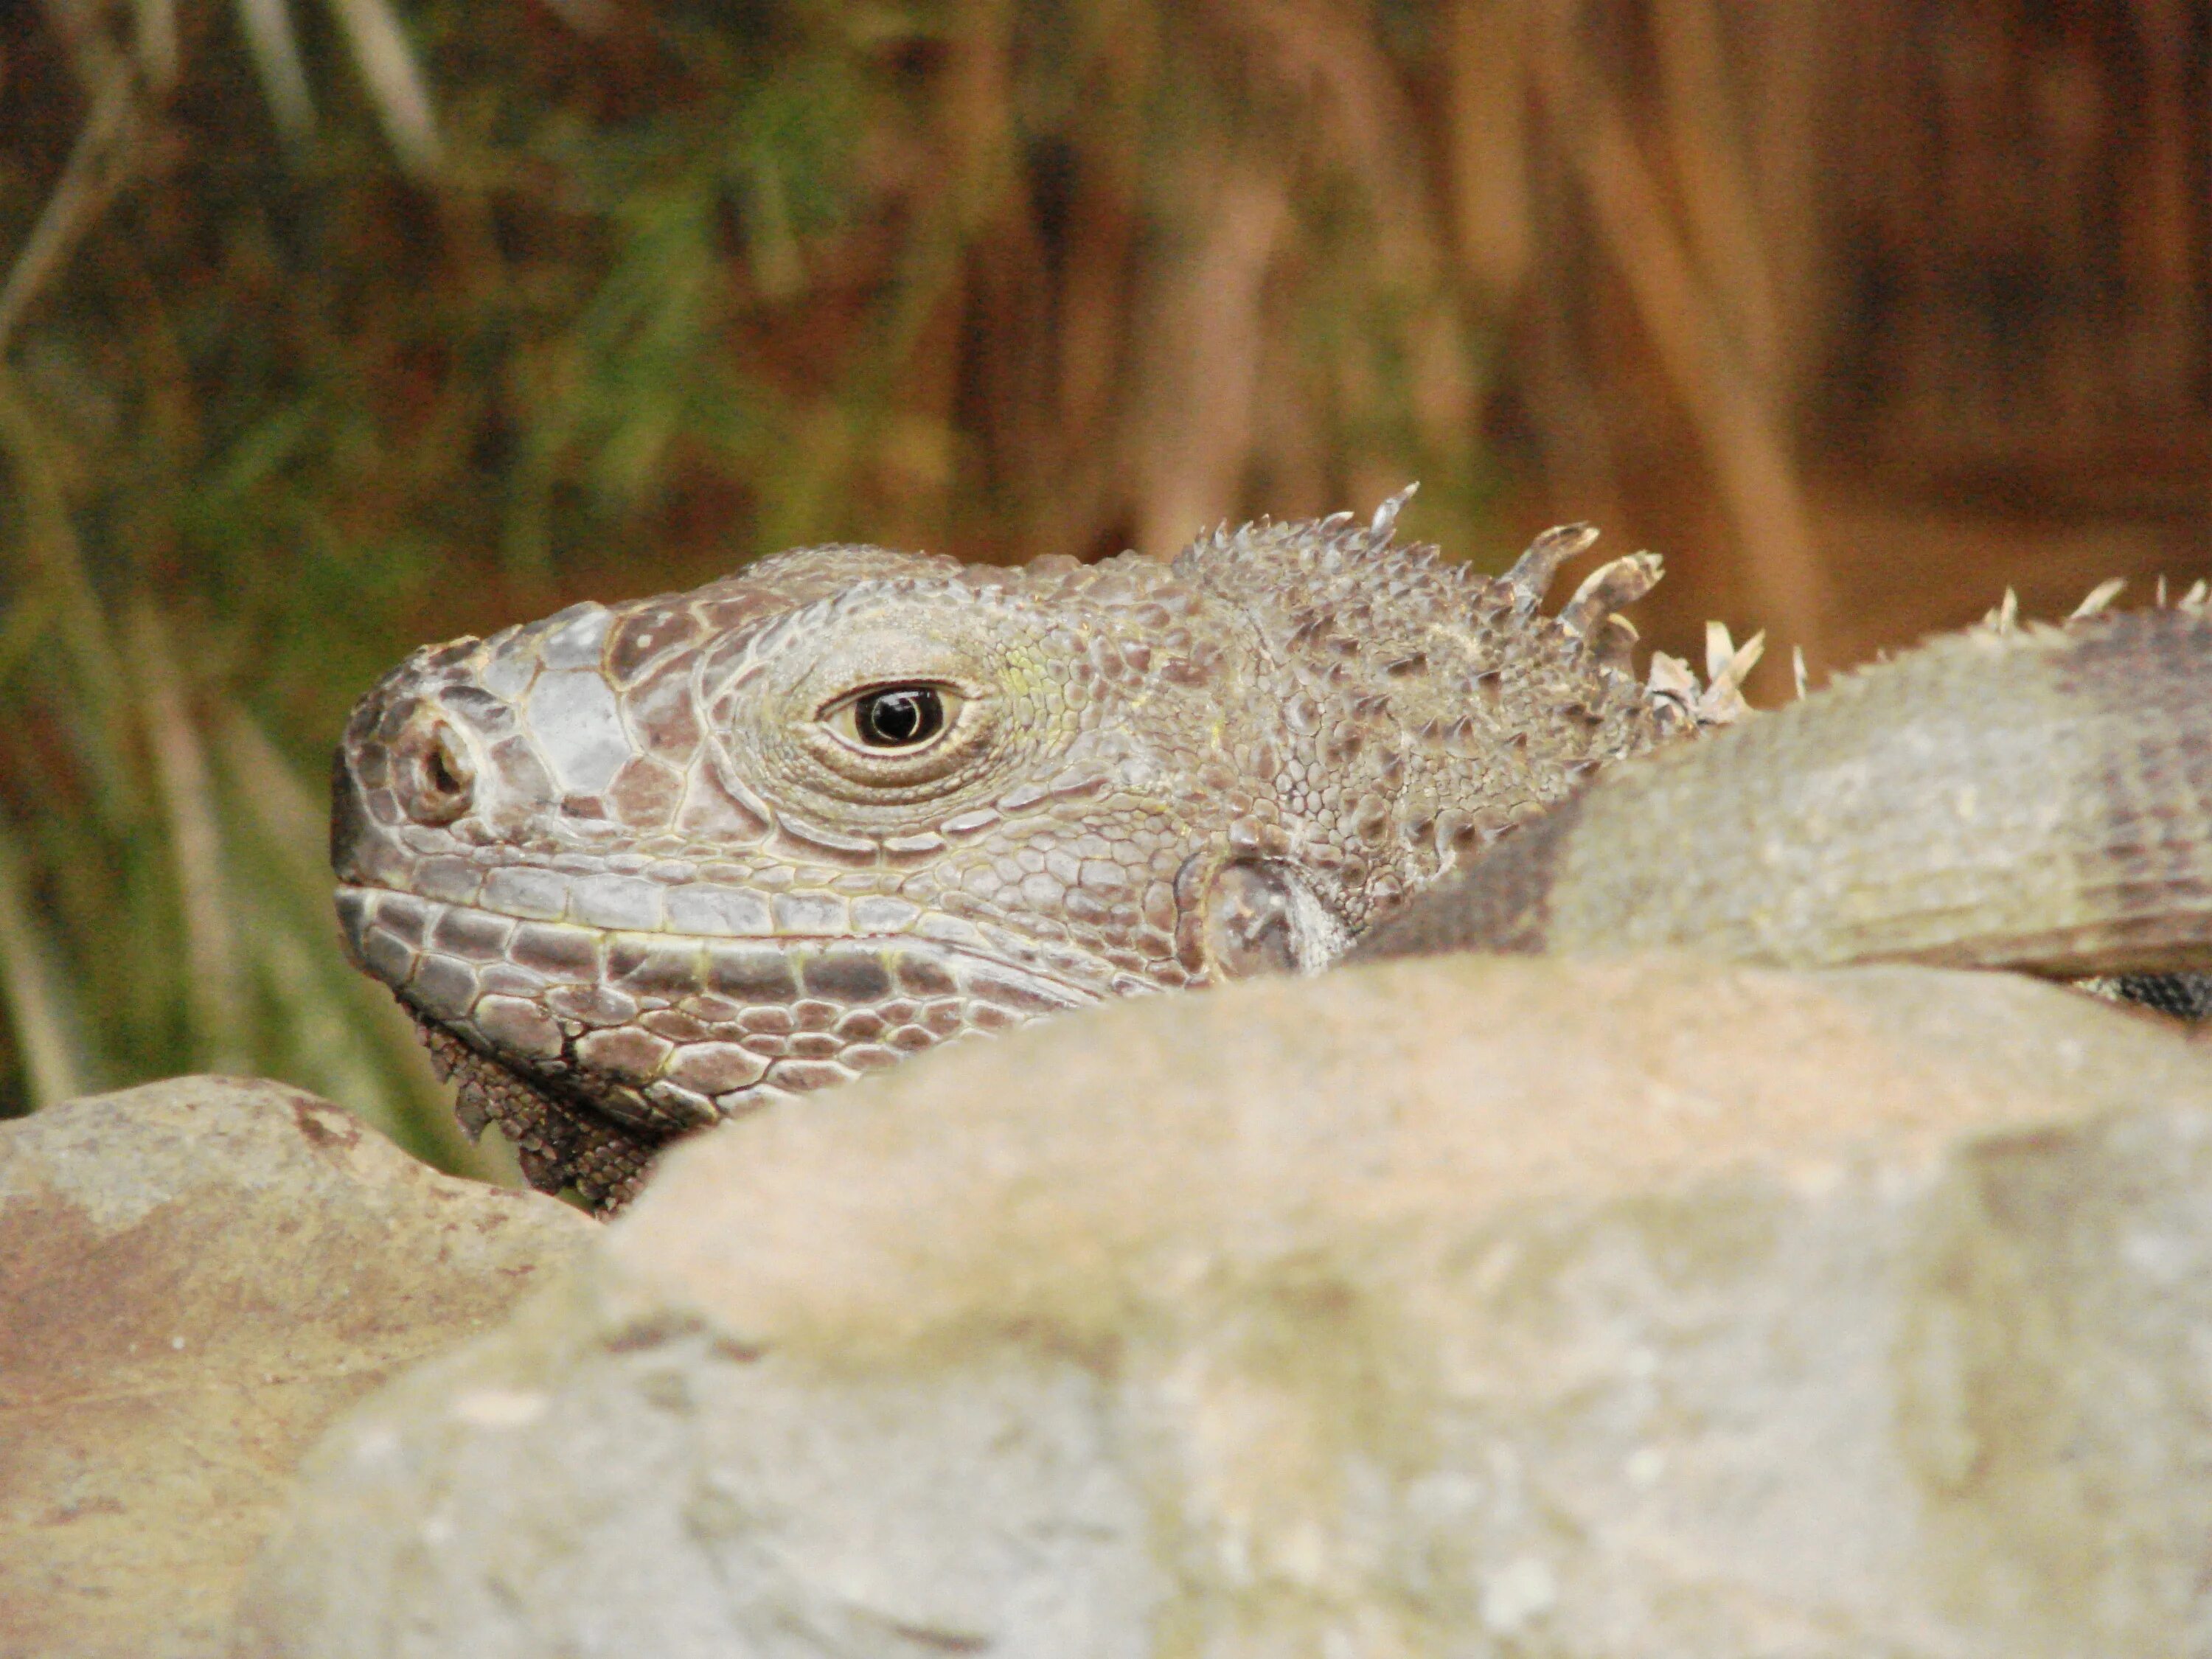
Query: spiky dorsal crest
[[1337, 574]]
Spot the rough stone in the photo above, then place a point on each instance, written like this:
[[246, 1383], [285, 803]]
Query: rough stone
[[195, 1277], [1471, 1307]]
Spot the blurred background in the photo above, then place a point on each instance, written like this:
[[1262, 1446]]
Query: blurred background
[[330, 327]]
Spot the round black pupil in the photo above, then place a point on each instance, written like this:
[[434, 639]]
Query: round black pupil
[[893, 719]]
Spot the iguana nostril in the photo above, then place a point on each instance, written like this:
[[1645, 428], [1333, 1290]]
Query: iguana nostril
[[437, 776]]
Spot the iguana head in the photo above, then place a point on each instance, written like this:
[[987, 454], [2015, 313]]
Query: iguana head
[[639, 867]]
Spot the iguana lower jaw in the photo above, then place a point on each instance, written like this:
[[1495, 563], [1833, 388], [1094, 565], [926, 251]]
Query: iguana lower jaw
[[561, 1142], [578, 1040]]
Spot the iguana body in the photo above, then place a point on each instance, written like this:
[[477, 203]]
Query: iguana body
[[637, 868], [2039, 799]]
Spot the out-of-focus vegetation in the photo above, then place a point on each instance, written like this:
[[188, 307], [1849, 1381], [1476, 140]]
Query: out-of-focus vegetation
[[333, 329], [328, 327]]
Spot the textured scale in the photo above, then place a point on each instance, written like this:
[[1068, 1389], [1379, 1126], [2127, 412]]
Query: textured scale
[[636, 868], [624, 870], [2006, 797]]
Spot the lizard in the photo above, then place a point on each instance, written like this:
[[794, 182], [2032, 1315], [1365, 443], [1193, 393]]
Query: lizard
[[636, 869]]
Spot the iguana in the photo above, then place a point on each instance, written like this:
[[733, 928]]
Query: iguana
[[637, 868]]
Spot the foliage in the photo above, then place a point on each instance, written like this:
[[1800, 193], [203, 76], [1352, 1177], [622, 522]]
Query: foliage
[[330, 330], [329, 327]]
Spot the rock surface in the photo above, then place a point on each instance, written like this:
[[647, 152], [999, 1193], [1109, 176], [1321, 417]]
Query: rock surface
[[1470, 1307], [195, 1277]]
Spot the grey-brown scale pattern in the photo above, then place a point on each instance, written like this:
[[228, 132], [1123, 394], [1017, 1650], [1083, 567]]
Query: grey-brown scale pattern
[[634, 870]]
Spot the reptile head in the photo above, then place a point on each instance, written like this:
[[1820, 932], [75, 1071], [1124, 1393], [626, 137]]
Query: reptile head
[[638, 867]]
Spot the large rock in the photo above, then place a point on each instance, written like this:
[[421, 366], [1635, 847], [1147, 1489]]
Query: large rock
[[1471, 1307], [195, 1278]]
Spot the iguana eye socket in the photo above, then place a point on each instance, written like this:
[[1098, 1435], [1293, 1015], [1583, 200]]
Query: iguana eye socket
[[902, 717]]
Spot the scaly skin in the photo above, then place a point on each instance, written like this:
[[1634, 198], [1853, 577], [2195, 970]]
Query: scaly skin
[[634, 871], [2038, 799]]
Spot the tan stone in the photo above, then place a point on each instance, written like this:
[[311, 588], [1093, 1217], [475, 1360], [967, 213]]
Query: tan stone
[[1470, 1307], [195, 1277]]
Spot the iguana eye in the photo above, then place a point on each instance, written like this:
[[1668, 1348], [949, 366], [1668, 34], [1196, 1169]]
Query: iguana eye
[[894, 716]]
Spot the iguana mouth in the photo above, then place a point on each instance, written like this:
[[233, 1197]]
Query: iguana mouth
[[586, 1038]]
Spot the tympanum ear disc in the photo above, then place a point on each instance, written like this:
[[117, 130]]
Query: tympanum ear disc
[[1248, 924], [1246, 916]]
